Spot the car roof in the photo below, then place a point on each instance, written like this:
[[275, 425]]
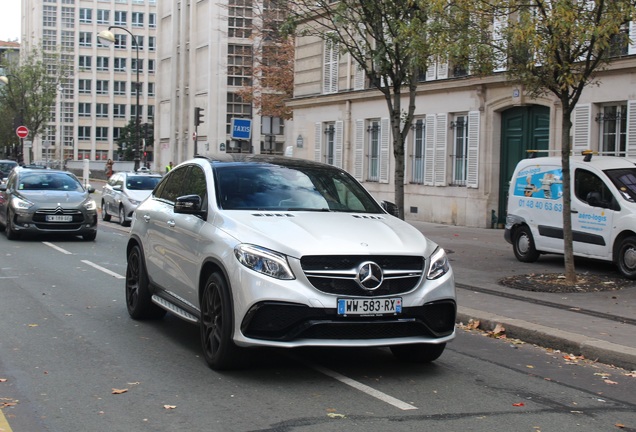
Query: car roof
[[246, 158], [599, 162]]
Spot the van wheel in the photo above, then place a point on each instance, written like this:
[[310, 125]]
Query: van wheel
[[627, 257], [523, 245]]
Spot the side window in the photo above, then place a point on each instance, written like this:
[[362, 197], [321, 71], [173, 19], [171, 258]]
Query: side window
[[174, 185], [196, 184], [589, 188]]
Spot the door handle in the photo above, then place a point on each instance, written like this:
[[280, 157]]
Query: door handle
[[146, 218], [171, 223], [574, 211]]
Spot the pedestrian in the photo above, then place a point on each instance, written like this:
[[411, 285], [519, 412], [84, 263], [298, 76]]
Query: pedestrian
[[109, 168], [169, 167]]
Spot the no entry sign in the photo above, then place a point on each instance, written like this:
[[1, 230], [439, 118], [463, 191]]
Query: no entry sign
[[22, 131]]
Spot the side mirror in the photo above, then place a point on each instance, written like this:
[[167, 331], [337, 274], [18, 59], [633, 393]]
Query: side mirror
[[390, 208], [90, 189], [190, 204]]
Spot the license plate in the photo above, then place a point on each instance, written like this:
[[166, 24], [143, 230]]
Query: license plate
[[384, 306], [59, 218]]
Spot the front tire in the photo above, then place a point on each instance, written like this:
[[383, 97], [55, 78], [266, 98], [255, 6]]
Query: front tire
[[9, 230], [122, 217], [626, 257], [105, 215], [138, 297], [523, 245], [219, 349], [418, 353], [90, 236]]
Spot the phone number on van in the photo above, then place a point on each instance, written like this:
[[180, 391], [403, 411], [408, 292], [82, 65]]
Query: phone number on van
[[540, 205]]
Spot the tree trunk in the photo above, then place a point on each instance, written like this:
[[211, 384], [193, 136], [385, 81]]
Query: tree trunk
[[568, 252]]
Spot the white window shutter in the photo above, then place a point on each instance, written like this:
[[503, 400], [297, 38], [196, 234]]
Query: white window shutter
[[581, 125], [441, 131], [385, 145], [498, 26], [330, 68], [632, 38], [631, 127], [318, 142], [472, 174], [442, 70], [358, 151], [431, 72], [429, 151], [338, 145], [358, 78]]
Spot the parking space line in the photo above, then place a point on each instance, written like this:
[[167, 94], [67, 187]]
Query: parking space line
[[105, 270], [4, 424], [364, 388], [57, 248]]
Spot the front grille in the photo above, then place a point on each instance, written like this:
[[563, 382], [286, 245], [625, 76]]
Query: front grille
[[287, 322], [336, 274], [39, 219]]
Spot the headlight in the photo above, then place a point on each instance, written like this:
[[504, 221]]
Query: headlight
[[263, 261], [134, 202], [439, 264], [20, 204], [90, 205]]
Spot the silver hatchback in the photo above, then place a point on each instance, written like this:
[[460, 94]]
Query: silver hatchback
[[124, 192]]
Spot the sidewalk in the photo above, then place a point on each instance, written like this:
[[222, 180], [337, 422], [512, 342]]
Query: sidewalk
[[606, 331]]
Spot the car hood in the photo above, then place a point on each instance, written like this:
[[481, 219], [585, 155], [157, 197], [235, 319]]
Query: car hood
[[138, 195], [63, 198], [317, 233]]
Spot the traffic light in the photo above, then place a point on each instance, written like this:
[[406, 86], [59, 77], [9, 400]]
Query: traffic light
[[198, 116]]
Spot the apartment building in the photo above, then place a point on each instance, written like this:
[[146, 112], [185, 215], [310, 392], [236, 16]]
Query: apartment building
[[205, 56], [101, 97], [467, 135]]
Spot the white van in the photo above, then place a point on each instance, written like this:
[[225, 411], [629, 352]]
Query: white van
[[603, 207]]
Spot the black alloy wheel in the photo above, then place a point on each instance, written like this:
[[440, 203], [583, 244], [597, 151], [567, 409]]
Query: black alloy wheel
[[138, 296]]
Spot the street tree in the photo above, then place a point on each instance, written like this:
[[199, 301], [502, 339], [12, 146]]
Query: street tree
[[30, 87], [552, 47], [392, 42]]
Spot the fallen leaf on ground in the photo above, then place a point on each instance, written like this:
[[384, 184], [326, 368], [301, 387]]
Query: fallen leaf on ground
[[620, 425], [334, 415], [3, 380], [119, 391], [607, 381], [518, 404], [33, 325], [169, 406], [473, 324], [631, 374]]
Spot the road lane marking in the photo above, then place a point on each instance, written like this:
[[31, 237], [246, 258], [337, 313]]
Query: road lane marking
[[4, 424], [105, 270], [57, 248], [364, 388]]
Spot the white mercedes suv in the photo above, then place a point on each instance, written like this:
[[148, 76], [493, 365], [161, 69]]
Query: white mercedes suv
[[282, 252]]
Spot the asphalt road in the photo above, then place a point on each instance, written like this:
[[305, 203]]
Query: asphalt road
[[72, 360]]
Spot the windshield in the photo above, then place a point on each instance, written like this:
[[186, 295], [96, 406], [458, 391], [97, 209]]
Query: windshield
[[288, 188], [142, 182], [49, 181], [625, 181]]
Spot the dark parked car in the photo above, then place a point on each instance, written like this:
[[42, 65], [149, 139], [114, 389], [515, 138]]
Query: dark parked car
[[281, 252], [37, 201], [5, 168]]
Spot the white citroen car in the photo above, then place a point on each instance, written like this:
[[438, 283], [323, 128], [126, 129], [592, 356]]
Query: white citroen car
[[282, 252]]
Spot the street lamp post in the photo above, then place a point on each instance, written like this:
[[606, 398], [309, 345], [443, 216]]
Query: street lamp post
[[106, 37]]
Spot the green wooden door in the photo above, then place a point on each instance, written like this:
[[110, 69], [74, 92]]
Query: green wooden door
[[522, 128]]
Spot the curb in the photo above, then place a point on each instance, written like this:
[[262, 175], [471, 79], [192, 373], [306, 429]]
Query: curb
[[590, 348]]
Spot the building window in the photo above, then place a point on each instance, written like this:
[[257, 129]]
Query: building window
[[373, 156], [101, 133], [613, 126], [151, 89], [417, 176], [240, 18], [140, 41], [239, 65], [49, 40], [84, 133], [83, 154], [121, 18], [137, 63], [68, 17], [84, 86], [120, 41], [152, 20], [151, 112], [120, 64], [236, 108], [119, 110], [49, 16], [152, 43], [329, 147], [119, 88], [85, 62], [101, 154], [85, 16], [84, 109], [103, 16], [460, 150], [102, 63], [68, 39], [101, 87], [137, 19], [101, 110], [151, 66], [85, 39], [133, 110]]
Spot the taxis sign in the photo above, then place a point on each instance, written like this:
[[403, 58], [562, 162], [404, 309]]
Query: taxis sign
[[241, 129]]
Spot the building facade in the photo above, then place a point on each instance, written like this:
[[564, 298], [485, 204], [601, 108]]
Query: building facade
[[206, 55], [100, 98], [467, 135]]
